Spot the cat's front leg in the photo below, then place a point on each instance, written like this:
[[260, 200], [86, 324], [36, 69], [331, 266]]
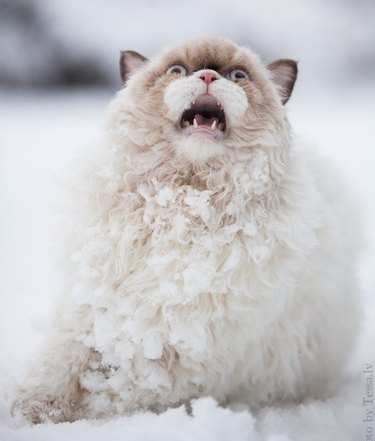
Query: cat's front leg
[[51, 392]]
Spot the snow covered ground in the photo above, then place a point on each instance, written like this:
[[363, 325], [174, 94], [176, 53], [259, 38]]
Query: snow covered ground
[[40, 135]]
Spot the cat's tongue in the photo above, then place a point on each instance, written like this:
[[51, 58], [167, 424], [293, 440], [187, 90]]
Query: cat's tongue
[[202, 121]]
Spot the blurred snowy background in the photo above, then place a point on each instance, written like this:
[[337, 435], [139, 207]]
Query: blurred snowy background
[[58, 70], [76, 42]]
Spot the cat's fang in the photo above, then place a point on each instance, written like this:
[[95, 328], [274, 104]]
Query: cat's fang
[[203, 111]]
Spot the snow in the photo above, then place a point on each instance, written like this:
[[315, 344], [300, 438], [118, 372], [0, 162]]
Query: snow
[[41, 136]]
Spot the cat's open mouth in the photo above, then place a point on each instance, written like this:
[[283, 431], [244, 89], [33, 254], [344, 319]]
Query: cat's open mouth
[[205, 115]]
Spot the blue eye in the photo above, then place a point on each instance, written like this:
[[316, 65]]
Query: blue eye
[[177, 69], [237, 74]]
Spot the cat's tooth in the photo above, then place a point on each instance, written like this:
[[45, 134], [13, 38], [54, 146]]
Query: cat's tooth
[[195, 123], [221, 126], [213, 125], [219, 105], [186, 123]]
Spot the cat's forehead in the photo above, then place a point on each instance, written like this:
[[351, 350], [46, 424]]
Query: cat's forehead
[[210, 54]]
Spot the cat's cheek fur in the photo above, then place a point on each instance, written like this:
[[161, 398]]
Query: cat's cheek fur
[[233, 99], [179, 94]]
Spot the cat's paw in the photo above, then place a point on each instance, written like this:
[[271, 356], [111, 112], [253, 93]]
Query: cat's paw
[[39, 411]]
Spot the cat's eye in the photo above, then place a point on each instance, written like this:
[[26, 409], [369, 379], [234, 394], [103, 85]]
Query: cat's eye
[[177, 69], [237, 74]]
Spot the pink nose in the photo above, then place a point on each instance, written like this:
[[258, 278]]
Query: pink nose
[[208, 77]]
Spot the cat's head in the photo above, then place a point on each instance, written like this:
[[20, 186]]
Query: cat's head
[[205, 99]]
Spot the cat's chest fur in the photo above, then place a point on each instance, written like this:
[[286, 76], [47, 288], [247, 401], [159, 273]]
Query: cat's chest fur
[[176, 273], [173, 262]]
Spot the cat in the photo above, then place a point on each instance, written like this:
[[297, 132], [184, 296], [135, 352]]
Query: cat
[[211, 254]]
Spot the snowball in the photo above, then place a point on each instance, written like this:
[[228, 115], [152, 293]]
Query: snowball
[[164, 196], [250, 229]]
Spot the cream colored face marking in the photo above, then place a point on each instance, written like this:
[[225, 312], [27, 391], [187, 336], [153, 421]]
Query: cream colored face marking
[[183, 93]]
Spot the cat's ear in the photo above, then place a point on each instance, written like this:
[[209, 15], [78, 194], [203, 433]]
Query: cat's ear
[[284, 74], [130, 61]]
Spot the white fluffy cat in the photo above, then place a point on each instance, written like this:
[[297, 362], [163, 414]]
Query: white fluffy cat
[[212, 256]]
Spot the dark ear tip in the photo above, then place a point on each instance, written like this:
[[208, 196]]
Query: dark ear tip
[[294, 65], [284, 74], [130, 61], [124, 54]]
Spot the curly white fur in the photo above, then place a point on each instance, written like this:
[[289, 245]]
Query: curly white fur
[[200, 267]]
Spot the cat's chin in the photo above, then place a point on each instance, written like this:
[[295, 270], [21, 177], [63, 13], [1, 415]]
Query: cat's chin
[[199, 147]]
